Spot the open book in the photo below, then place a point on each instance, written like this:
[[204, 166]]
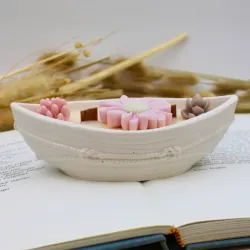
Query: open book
[[41, 208]]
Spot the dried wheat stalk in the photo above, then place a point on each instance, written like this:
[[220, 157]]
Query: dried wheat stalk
[[134, 78], [81, 84], [48, 58]]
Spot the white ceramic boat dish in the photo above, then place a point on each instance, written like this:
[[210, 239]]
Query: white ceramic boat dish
[[99, 154]]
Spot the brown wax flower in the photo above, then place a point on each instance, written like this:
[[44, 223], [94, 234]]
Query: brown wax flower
[[195, 106]]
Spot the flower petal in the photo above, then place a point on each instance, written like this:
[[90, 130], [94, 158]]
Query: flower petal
[[152, 121], [60, 117], [190, 115], [125, 120], [158, 112], [58, 101], [161, 120], [197, 110], [54, 110], [114, 118], [66, 112], [169, 118], [46, 102], [124, 99], [198, 101], [143, 120], [160, 105], [49, 114], [184, 114], [103, 114], [206, 105], [134, 123], [188, 104], [147, 99], [43, 110], [110, 104]]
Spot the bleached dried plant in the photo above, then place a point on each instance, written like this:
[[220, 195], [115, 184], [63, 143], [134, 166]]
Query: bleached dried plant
[[72, 75]]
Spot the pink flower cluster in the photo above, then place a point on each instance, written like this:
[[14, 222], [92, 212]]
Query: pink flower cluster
[[135, 113], [55, 108]]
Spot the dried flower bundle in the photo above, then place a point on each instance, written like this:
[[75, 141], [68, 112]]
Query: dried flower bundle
[[73, 76]]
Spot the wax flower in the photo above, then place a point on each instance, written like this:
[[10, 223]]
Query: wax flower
[[55, 108], [135, 113]]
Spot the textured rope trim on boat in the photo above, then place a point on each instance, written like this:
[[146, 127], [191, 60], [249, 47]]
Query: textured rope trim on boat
[[168, 152]]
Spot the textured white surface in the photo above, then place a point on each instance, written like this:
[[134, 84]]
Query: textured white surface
[[40, 201], [99, 154], [219, 30]]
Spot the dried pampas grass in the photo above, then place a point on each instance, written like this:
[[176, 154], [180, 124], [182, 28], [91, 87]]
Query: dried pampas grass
[[7, 120], [183, 78], [63, 62], [30, 86]]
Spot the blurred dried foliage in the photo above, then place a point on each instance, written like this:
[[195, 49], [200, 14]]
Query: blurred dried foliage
[[45, 80]]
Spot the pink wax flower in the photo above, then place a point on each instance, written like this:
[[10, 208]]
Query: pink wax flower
[[135, 113], [55, 108]]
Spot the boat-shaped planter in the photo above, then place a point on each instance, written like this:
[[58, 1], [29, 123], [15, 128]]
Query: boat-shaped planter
[[90, 151]]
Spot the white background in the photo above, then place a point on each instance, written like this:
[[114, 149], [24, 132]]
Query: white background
[[219, 30]]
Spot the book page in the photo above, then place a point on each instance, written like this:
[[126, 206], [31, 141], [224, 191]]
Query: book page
[[17, 161], [216, 188], [202, 195], [40, 206], [234, 148]]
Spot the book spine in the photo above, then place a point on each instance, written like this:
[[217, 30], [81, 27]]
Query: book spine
[[177, 234]]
